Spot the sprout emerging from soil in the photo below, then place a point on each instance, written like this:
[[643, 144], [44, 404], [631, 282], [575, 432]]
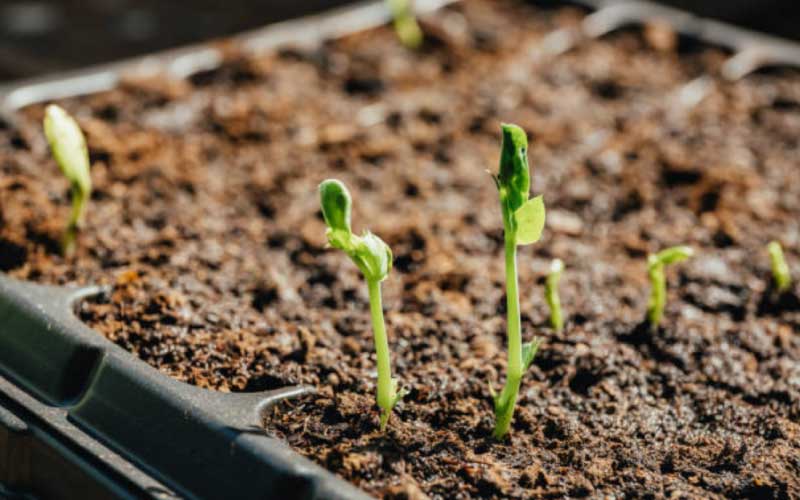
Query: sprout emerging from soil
[[658, 281], [373, 258], [69, 150], [523, 222], [780, 271], [551, 294], [405, 23]]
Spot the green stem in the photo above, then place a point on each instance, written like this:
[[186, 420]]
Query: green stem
[[386, 391], [505, 403], [75, 222], [658, 295]]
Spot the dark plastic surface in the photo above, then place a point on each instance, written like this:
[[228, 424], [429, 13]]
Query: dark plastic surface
[[199, 443], [48, 36]]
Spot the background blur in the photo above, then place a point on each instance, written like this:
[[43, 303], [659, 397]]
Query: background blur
[[44, 36]]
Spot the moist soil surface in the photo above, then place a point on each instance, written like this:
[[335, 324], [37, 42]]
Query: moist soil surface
[[205, 222]]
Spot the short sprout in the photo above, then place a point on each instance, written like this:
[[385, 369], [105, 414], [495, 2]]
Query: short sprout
[[658, 281], [551, 294], [405, 23], [68, 147], [780, 270]]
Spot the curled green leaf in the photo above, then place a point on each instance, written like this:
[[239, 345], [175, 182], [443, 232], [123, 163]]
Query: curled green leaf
[[513, 179], [372, 256], [658, 280], [336, 205], [673, 255]]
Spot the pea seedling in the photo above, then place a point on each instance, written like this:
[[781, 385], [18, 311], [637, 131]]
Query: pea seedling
[[780, 271], [373, 258], [551, 294], [658, 281], [405, 23], [523, 222], [68, 147]]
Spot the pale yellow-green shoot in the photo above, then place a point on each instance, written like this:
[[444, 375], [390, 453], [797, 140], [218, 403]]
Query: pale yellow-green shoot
[[551, 294], [658, 280], [780, 270], [405, 23], [68, 147]]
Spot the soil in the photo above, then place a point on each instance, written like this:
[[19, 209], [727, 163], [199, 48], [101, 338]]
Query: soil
[[205, 221]]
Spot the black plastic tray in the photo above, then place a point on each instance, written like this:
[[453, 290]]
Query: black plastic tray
[[82, 418]]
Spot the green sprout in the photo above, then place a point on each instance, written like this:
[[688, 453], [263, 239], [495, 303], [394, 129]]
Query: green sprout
[[523, 222], [69, 150], [780, 271], [658, 281], [551, 294], [405, 23], [373, 258]]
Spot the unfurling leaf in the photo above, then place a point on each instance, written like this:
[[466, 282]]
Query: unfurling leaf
[[529, 350], [372, 256], [673, 255], [530, 219]]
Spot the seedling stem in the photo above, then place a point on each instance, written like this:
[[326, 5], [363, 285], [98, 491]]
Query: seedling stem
[[374, 259], [523, 221]]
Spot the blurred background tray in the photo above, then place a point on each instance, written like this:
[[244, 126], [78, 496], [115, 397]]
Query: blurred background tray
[[39, 37]]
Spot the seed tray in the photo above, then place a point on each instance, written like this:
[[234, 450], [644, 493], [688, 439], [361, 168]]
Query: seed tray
[[81, 417]]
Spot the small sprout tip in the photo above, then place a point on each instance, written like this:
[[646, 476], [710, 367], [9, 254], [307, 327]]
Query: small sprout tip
[[405, 23], [780, 270]]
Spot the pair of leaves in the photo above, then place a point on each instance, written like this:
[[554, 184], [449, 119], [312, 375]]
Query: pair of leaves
[[523, 217]]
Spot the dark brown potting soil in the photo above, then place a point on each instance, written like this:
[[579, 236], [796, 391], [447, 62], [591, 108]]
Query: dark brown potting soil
[[205, 220]]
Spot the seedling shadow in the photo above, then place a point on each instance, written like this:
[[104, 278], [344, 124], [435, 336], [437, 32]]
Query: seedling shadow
[[773, 302], [650, 343]]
